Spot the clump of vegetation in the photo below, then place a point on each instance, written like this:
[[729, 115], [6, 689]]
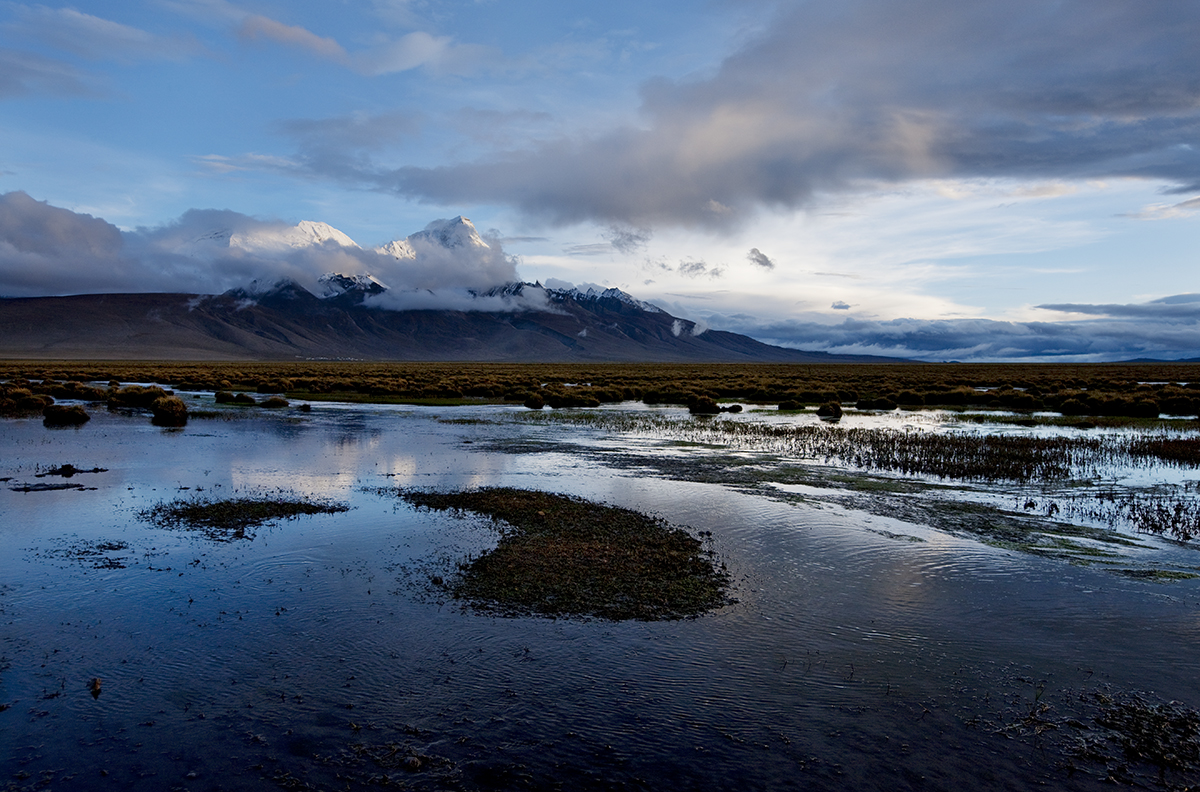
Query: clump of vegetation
[[883, 403], [136, 396], [830, 411], [63, 415], [169, 411], [274, 402], [565, 556], [1166, 735], [20, 402], [230, 519]]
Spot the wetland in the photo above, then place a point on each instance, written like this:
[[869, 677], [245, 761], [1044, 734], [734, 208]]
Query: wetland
[[411, 583]]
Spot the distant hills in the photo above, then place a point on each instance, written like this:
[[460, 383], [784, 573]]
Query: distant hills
[[286, 321]]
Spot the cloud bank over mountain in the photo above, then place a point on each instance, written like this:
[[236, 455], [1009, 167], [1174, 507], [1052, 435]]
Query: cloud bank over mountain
[[48, 250], [1167, 328]]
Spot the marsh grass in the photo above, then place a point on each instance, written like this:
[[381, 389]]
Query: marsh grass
[[1092, 390], [233, 518], [1173, 514], [565, 556]]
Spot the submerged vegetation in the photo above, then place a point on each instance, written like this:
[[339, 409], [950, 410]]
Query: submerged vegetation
[[949, 455], [230, 519], [565, 556]]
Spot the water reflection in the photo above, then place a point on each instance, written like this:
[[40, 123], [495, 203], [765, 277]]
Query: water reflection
[[861, 651]]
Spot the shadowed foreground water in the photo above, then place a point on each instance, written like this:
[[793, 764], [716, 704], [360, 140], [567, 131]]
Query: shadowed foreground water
[[863, 652]]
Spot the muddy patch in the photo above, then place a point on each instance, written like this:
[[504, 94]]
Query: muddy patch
[[231, 519], [49, 487], [67, 471]]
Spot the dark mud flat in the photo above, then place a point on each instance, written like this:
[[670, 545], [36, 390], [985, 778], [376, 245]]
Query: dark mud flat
[[564, 556]]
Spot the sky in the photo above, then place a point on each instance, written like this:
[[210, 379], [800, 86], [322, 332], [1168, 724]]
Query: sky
[[930, 179]]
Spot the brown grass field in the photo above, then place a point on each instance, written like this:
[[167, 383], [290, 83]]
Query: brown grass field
[[1137, 390]]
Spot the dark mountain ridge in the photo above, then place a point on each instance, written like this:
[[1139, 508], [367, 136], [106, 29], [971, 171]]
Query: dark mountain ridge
[[286, 322]]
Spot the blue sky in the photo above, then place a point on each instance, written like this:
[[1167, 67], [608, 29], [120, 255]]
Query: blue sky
[[933, 179]]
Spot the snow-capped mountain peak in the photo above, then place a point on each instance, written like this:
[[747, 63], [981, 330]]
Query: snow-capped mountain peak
[[454, 233], [398, 249], [591, 295], [266, 239], [307, 233], [458, 232], [334, 284]]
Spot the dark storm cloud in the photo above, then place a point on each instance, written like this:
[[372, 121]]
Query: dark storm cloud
[[836, 94], [1180, 306]]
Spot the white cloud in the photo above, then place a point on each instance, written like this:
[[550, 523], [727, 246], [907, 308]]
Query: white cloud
[[1166, 211], [49, 250]]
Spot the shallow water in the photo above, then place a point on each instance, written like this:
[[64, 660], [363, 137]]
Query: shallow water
[[863, 651]]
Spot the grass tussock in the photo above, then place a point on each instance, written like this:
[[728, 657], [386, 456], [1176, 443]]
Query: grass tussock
[[565, 556], [64, 415], [169, 411], [233, 518]]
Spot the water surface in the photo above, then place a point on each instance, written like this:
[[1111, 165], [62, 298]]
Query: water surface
[[864, 650]]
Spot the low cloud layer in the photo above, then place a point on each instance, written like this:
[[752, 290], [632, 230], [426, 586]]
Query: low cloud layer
[[48, 250], [1167, 329], [839, 94]]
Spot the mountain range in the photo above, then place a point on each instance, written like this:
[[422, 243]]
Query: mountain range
[[358, 316]]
